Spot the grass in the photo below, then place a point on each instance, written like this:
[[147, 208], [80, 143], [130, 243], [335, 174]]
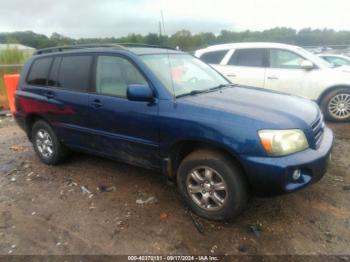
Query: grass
[[13, 56], [10, 57]]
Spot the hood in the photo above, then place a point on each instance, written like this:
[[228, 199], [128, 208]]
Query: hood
[[336, 76], [273, 109]]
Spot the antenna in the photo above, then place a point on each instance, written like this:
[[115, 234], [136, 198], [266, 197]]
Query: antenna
[[167, 51]]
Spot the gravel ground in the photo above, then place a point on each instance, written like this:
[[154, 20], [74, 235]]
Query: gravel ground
[[91, 205]]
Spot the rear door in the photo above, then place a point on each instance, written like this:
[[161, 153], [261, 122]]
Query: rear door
[[123, 129], [56, 90], [246, 67], [67, 98]]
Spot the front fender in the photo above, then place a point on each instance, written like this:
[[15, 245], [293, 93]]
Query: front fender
[[237, 135]]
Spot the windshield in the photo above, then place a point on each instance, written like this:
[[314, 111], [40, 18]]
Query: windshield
[[314, 58], [183, 74]]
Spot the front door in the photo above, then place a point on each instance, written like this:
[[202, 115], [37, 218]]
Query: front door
[[123, 129], [286, 75]]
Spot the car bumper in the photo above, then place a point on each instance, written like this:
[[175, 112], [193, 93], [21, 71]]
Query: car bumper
[[274, 174], [20, 120]]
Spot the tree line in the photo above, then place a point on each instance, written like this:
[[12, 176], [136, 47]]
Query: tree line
[[187, 41]]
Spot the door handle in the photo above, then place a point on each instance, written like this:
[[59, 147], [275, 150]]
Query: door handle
[[272, 77], [231, 75], [49, 95], [96, 103]]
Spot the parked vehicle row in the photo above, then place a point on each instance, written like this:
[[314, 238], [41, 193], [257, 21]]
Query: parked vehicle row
[[166, 110], [284, 68], [336, 60]]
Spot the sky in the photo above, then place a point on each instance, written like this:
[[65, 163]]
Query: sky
[[106, 18]]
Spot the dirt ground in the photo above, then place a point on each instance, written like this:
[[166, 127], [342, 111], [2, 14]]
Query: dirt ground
[[91, 205]]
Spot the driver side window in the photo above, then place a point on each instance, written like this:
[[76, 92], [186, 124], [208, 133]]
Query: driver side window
[[114, 74], [285, 59]]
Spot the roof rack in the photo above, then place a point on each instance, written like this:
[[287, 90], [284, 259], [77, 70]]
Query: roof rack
[[72, 47], [145, 45], [84, 46]]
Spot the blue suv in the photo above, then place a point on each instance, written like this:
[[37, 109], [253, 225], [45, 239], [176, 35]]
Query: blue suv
[[166, 110]]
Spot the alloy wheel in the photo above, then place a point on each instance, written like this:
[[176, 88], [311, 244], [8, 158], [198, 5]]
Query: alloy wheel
[[207, 188], [44, 143], [339, 106]]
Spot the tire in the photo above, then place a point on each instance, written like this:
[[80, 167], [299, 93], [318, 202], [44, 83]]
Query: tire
[[331, 102], [222, 169], [58, 151]]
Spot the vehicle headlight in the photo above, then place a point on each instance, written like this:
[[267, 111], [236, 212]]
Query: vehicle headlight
[[283, 142]]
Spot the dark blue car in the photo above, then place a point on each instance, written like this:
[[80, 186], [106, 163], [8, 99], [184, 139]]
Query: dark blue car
[[166, 110]]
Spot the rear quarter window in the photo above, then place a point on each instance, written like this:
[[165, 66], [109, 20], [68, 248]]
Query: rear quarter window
[[39, 71], [214, 57]]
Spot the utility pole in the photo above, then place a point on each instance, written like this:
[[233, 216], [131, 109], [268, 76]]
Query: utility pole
[[161, 13], [160, 28]]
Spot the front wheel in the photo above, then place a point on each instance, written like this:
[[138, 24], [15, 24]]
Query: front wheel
[[336, 105], [212, 185]]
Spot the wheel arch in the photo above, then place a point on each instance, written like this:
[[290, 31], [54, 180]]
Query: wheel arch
[[30, 120], [328, 90], [179, 150]]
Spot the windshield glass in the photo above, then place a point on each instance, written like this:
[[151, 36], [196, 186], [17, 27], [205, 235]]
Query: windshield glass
[[182, 73], [314, 58]]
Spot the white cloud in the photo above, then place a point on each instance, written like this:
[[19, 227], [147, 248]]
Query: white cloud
[[90, 18]]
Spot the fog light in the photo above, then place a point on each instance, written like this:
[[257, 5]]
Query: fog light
[[296, 174]]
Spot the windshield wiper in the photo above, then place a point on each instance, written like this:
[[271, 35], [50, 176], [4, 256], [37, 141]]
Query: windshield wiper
[[192, 93], [221, 86], [196, 92]]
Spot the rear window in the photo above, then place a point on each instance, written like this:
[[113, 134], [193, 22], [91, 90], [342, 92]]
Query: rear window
[[214, 57], [39, 71], [248, 57], [74, 73]]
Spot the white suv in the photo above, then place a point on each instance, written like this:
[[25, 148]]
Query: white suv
[[284, 68]]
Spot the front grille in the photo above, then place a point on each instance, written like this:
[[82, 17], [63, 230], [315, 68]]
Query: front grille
[[317, 130]]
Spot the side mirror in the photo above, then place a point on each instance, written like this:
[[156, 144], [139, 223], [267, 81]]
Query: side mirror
[[140, 93], [307, 65]]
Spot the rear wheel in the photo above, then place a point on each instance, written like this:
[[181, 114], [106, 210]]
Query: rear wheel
[[212, 185], [46, 144], [336, 105]]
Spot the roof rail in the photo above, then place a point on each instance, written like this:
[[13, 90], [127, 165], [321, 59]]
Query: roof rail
[[84, 46], [145, 45], [72, 47]]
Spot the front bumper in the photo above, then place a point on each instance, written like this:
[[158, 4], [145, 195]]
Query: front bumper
[[274, 174]]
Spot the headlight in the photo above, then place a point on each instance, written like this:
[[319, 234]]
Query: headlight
[[283, 142]]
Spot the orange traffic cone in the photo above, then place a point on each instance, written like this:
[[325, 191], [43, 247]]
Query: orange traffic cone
[[11, 82]]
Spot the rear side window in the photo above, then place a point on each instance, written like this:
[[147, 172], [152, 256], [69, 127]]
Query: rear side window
[[39, 71], [248, 57], [114, 74], [53, 76], [74, 73], [214, 57]]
